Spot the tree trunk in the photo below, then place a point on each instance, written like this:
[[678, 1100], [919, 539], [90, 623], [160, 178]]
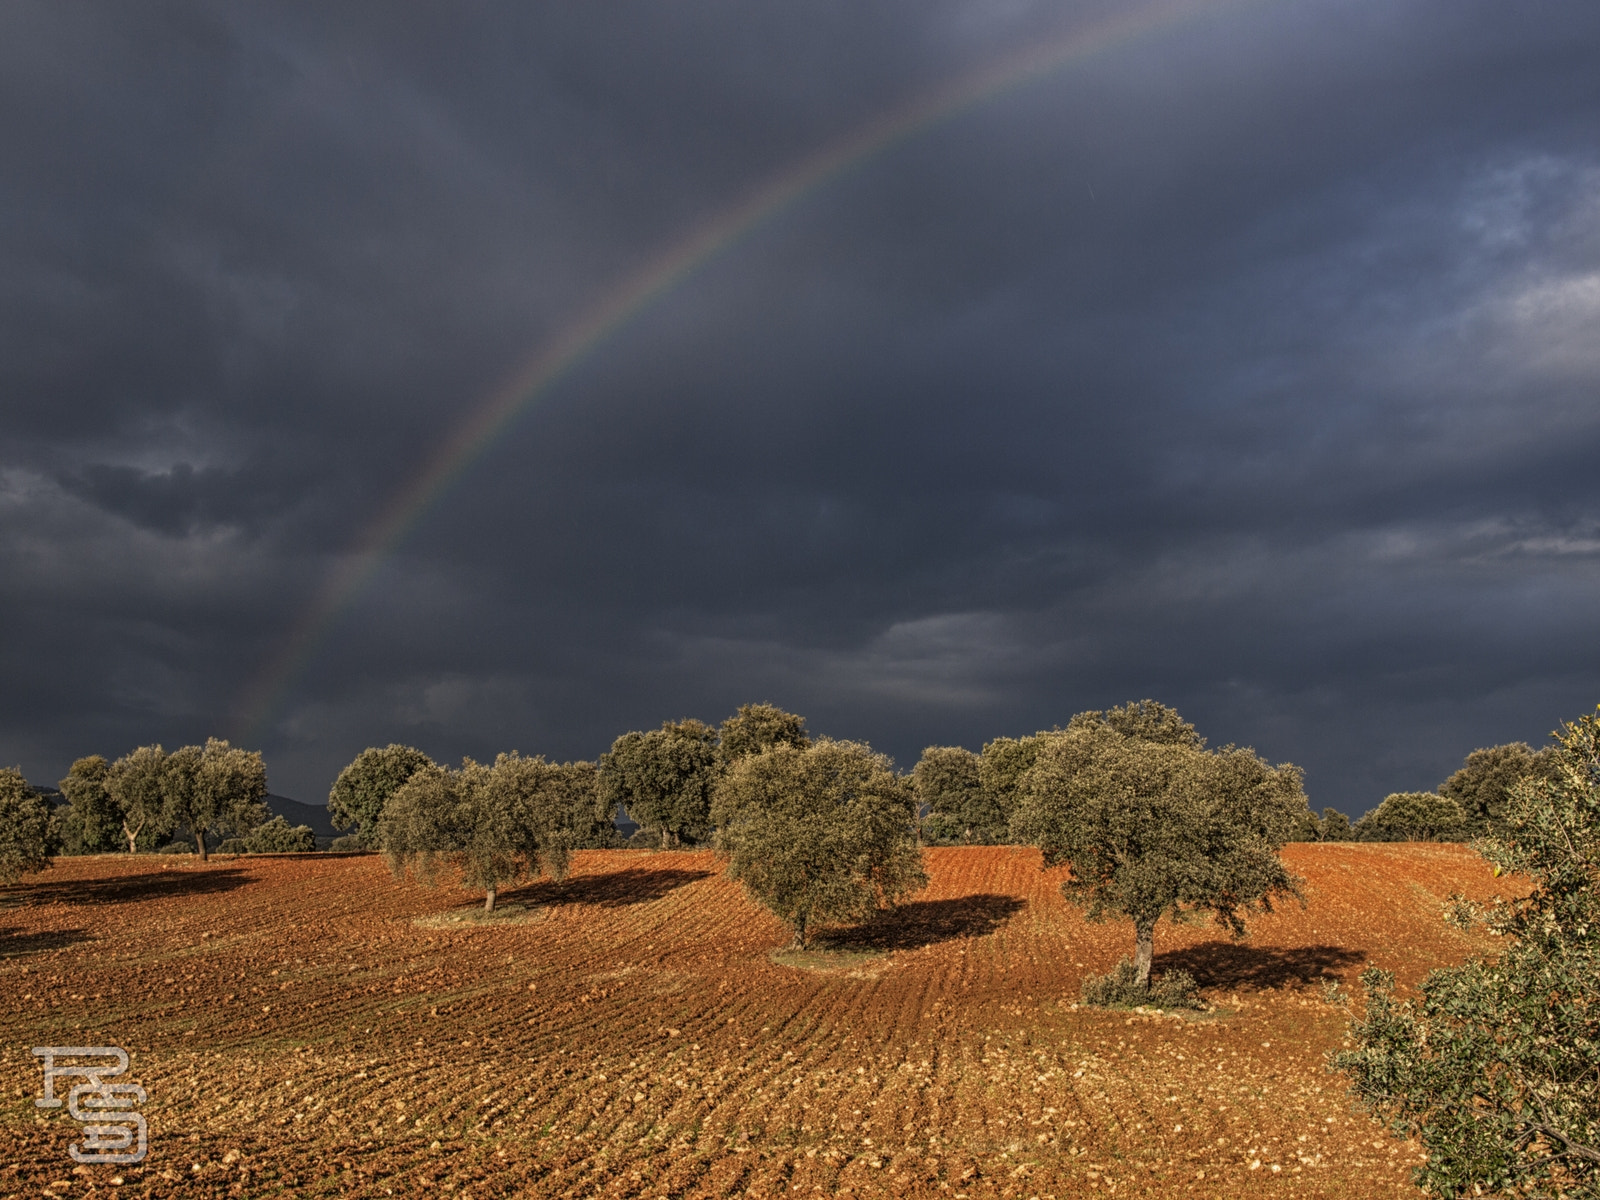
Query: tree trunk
[[665, 834], [132, 836], [800, 932], [1144, 949], [488, 901], [200, 844]]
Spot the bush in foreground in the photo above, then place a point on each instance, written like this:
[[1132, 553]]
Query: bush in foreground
[[1493, 1067]]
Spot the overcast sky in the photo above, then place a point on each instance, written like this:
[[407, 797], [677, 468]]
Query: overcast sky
[[1251, 364]]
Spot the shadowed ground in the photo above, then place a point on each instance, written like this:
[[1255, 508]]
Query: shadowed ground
[[1222, 964], [635, 885], [918, 923], [129, 889]]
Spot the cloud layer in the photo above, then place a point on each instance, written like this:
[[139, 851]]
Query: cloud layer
[[1253, 365]]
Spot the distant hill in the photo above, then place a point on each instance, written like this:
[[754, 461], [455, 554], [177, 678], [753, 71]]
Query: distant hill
[[296, 813]]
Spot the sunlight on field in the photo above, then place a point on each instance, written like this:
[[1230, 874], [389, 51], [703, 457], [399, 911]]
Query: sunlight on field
[[299, 1027]]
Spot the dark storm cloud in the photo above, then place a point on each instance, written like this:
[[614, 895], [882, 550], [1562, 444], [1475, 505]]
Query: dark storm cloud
[[1251, 365]]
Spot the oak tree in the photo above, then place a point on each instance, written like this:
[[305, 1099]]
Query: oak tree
[[92, 821], [136, 785], [27, 832], [1001, 765], [758, 727], [664, 778], [492, 824], [948, 781], [1154, 829], [358, 795], [214, 788], [1482, 786], [819, 835], [1414, 817]]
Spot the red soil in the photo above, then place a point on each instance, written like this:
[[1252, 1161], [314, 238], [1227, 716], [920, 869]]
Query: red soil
[[298, 1033]]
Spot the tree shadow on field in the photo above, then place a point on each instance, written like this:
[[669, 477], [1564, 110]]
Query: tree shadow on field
[[920, 922], [637, 885], [14, 944], [1222, 964], [127, 889]]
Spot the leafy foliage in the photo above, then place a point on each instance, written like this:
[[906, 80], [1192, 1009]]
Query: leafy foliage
[[92, 823], [1160, 828], [1493, 1067], [1331, 826], [1001, 767], [1482, 786], [574, 789], [756, 728], [213, 788], [358, 795], [1121, 988], [136, 784], [27, 829], [821, 835], [948, 780], [494, 825], [664, 778], [1414, 817], [1143, 721], [276, 836]]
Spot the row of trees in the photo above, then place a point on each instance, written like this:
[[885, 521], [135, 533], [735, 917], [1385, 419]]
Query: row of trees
[[1471, 803], [147, 794], [1150, 822]]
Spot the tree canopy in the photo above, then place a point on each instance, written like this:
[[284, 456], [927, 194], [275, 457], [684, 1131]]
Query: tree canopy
[[92, 823], [664, 778], [1482, 786], [1414, 817], [492, 824], [27, 833], [574, 788], [1160, 828], [948, 780], [1144, 721], [821, 835], [1492, 1068], [758, 727], [358, 795], [1001, 766], [136, 784], [213, 788]]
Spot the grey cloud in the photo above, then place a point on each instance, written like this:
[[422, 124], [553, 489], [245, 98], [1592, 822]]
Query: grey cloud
[[1249, 364]]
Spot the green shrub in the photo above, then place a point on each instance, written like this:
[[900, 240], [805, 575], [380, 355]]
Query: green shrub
[[1120, 988], [29, 835], [175, 848], [277, 836], [1492, 1067], [347, 843]]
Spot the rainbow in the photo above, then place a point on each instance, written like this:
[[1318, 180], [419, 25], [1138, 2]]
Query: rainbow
[[656, 278]]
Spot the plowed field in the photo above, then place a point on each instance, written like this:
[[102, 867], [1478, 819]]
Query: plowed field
[[299, 1031]]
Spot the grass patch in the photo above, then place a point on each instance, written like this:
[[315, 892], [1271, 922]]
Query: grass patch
[[857, 964], [503, 914]]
